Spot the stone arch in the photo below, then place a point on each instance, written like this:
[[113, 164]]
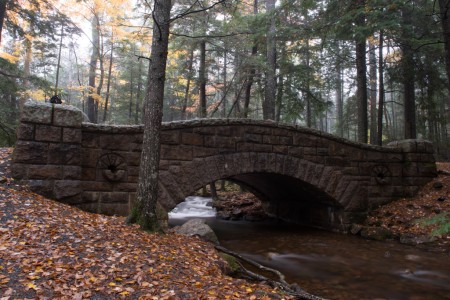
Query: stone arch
[[326, 185]]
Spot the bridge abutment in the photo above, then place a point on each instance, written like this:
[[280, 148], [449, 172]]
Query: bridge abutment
[[305, 175]]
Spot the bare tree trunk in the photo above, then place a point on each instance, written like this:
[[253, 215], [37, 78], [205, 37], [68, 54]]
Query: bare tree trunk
[[144, 211], [225, 82], [91, 101], [407, 65], [2, 16], [339, 100], [188, 84], [26, 68], [270, 90], [59, 60], [380, 90], [108, 86], [251, 75], [361, 79], [308, 87], [130, 104], [373, 93], [444, 7], [202, 80], [139, 94]]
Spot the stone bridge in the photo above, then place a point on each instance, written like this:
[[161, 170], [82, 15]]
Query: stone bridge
[[303, 175]]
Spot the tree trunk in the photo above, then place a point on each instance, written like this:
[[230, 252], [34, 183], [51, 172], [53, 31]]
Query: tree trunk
[[308, 87], [139, 94], [361, 79], [188, 84], [270, 90], [380, 91], [91, 101], [407, 65], [225, 83], [251, 75], [144, 211], [130, 103], [59, 60], [373, 92], [108, 86], [202, 80], [339, 100], [2, 16], [26, 69], [444, 6]]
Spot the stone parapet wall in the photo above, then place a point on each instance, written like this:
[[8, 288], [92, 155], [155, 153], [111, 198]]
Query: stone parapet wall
[[96, 167]]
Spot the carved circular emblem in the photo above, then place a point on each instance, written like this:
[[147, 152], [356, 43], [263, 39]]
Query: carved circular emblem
[[382, 174], [113, 166]]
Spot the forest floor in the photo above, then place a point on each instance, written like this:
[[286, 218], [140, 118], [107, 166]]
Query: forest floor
[[50, 250]]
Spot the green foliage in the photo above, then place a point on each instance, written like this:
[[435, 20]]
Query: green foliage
[[441, 221]]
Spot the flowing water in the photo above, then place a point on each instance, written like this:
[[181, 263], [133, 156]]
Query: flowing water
[[330, 265]]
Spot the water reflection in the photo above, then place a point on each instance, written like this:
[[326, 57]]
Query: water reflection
[[336, 266]]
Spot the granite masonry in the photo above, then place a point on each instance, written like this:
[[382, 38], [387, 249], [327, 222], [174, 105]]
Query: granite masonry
[[303, 175]]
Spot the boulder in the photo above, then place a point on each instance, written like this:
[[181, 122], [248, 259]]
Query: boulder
[[200, 228], [412, 239]]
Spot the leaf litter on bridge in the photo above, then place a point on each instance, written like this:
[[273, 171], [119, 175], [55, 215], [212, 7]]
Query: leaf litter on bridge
[[51, 250]]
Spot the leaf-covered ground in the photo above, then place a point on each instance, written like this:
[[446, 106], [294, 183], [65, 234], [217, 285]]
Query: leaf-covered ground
[[419, 215], [49, 250]]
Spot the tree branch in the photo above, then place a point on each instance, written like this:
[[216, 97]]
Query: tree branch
[[209, 36], [293, 290], [189, 11]]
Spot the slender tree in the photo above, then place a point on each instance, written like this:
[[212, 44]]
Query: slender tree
[[144, 211], [271, 81]]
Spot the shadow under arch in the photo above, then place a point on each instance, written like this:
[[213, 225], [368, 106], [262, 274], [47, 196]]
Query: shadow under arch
[[293, 189]]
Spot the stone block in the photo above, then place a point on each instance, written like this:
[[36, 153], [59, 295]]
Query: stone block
[[67, 116], [89, 157], [113, 209], [286, 140], [219, 142], [125, 187], [258, 130], [72, 135], [90, 140], [30, 152], [46, 133], [296, 151], [37, 112], [72, 173], [176, 152], [204, 152], [188, 138], [304, 140], [114, 197], [271, 139], [44, 172], [262, 148], [19, 171], [280, 149], [322, 151], [89, 174], [97, 186], [25, 131], [170, 137], [42, 187], [133, 158], [253, 138], [223, 131], [335, 161], [119, 142], [67, 188], [244, 147], [205, 130], [90, 197], [64, 154]]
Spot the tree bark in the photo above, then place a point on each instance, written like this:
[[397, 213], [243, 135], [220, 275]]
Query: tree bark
[[91, 101], [251, 75], [361, 69], [407, 65], [380, 90], [144, 211], [270, 89], [188, 84], [139, 94], [444, 7], [373, 92], [59, 59], [26, 68], [108, 85], [2, 16], [339, 100], [202, 80]]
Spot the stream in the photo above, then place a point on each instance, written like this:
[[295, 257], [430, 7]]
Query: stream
[[326, 264]]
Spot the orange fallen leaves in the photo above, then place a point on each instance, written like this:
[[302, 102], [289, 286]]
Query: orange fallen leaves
[[51, 250]]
